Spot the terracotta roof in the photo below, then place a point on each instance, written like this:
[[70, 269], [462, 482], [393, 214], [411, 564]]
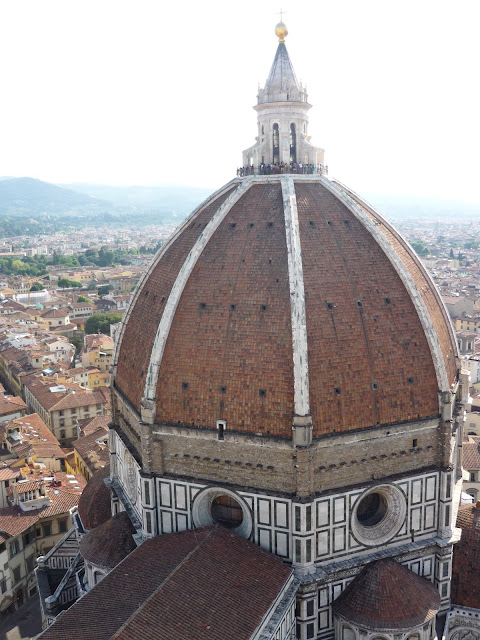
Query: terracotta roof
[[11, 404], [94, 506], [33, 429], [206, 584], [230, 338], [387, 595], [77, 370], [466, 558], [89, 425], [98, 341], [96, 454], [23, 487], [471, 455], [23, 450], [64, 495], [13, 520], [109, 543], [55, 313], [41, 387], [6, 473]]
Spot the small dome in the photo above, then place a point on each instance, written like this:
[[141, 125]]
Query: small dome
[[109, 543], [387, 595], [94, 505]]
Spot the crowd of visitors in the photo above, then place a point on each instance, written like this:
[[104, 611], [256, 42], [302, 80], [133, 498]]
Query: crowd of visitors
[[282, 167]]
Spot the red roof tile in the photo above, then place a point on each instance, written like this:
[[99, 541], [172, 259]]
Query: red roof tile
[[206, 584], [471, 455], [387, 595], [94, 506], [109, 543], [230, 338], [466, 558]]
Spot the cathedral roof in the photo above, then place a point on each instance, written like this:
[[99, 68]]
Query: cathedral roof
[[110, 542], [202, 584], [94, 505], [286, 296], [466, 558], [387, 595]]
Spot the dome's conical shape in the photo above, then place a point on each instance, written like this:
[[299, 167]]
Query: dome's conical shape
[[388, 596], [286, 296], [94, 505], [109, 543]]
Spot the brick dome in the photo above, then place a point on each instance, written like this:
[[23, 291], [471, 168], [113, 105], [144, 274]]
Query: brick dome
[[284, 296], [388, 596], [94, 505], [109, 543]]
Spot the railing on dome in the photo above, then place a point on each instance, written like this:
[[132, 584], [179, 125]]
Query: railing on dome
[[282, 168]]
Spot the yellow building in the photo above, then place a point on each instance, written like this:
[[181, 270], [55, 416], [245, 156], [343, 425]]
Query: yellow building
[[467, 324], [98, 352]]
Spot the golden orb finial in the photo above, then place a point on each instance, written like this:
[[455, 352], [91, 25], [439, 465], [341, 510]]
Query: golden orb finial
[[281, 31]]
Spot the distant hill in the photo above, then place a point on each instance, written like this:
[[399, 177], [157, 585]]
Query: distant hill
[[179, 199], [83, 204], [409, 208], [27, 196]]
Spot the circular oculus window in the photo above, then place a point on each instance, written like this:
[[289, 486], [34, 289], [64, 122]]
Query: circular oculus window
[[378, 515], [216, 505]]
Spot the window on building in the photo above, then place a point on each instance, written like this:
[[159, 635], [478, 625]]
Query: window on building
[[473, 476], [308, 550], [16, 575], [293, 143], [310, 630], [62, 525], [29, 563], [276, 143], [221, 425], [28, 538], [3, 585], [308, 517], [298, 551], [298, 518], [310, 608], [47, 529], [62, 434], [60, 413], [147, 492], [149, 521], [14, 548]]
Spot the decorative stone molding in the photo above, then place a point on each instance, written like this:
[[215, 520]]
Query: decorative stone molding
[[202, 506], [389, 524]]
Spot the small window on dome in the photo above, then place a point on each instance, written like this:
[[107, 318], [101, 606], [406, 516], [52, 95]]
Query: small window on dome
[[221, 426]]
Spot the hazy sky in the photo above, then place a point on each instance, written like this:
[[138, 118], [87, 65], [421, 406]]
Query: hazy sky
[[149, 92]]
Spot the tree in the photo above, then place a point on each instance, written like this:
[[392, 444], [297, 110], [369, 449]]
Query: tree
[[83, 299], [420, 248], [37, 286], [64, 283], [100, 322], [452, 255], [102, 291], [78, 342]]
